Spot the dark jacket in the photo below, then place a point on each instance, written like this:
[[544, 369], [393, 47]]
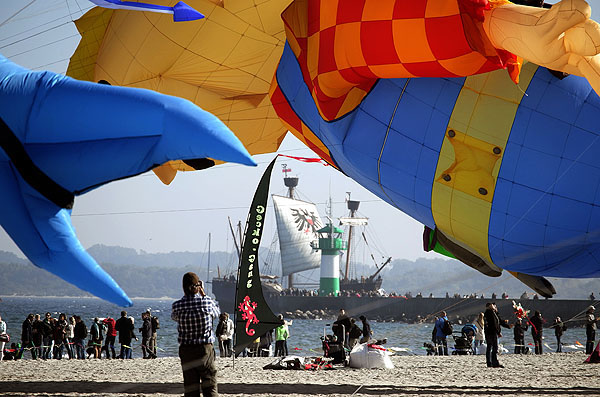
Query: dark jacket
[[80, 330], [519, 329], [366, 331], [47, 328], [493, 322], [537, 324], [59, 331], [38, 332], [26, 332], [559, 328], [345, 321], [355, 331], [125, 328], [146, 329]]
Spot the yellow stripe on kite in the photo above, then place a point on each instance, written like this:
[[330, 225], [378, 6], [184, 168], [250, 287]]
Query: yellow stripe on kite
[[471, 154]]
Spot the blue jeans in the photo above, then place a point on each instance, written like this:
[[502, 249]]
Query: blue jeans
[[79, 349], [442, 346], [126, 352]]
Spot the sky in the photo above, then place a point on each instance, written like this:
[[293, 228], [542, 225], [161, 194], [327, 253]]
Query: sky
[[144, 214]]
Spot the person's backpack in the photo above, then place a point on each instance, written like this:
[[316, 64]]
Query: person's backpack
[[155, 324], [447, 328]]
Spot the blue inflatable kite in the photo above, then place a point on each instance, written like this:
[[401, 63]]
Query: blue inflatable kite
[[60, 138], [505, 176]]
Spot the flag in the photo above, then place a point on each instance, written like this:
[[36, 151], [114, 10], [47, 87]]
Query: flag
[[253, 316]]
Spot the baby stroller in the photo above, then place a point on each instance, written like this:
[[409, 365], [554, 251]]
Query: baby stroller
[[334, 348], [463, 343]]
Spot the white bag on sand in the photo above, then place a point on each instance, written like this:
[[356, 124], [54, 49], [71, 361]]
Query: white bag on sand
[[363, 356], [481, 348]]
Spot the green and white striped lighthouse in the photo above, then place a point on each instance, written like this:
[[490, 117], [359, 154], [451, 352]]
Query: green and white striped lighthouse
[[330, 243]]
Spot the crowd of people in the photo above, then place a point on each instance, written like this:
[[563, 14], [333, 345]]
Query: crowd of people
[[487, 328], [346, 329], [70, 338]]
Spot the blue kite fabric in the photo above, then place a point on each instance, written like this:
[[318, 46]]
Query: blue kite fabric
[[61, 137], [181, 11], [545, 209]]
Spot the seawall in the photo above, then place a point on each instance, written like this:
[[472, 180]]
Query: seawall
[[424, 309]]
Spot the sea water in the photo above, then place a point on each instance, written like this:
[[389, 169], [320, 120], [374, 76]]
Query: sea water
[[305, 335]]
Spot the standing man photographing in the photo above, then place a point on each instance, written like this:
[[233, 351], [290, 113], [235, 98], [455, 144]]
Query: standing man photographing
[[491, 329], [194, 314]]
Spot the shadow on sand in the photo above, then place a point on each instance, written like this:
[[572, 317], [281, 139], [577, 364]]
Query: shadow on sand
[[124, 388]]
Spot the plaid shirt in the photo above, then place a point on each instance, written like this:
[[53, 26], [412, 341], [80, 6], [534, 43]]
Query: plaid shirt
[[194, 316]]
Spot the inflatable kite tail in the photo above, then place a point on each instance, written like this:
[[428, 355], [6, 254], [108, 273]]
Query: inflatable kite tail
[[84, 273], [44, 233], [190, 133]]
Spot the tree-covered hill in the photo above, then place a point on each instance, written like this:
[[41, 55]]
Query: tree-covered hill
[[143, 274]]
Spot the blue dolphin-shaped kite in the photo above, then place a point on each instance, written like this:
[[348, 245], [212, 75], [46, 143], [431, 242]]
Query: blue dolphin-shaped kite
[[61, 137], [181, 11]]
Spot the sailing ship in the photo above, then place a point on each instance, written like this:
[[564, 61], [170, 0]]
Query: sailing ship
[[299, 227]]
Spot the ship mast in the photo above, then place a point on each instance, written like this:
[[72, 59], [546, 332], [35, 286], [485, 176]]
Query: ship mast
[[353, 207], [291, 182], [351, 222]]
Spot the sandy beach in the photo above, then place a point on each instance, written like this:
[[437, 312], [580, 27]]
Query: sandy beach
[[546, 375]]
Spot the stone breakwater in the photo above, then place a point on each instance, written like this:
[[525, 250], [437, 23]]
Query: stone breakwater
[[418, 310]]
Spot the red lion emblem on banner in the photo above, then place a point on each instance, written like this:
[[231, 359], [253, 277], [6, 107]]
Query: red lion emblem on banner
[[247, 308]]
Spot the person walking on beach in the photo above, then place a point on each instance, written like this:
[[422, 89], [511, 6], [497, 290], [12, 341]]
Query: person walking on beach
[[111, 335], [224, 333], [194, 314], [69, 335], [492, 332], [37, 329], [59, 334], [47, 339], [282, 333], [146, 331], [97, 337], [27, 336], [590, 329], [479, 336], [366, 329], [440, 334], [354, 335], [3, 337], [341, 327], [519, 328], [125, 327], [264, 347], [537, 324], [80, 333], [155, 327], [559, 329]]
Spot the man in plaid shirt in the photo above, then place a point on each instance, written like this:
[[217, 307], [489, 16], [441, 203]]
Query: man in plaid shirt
[[194, 314]]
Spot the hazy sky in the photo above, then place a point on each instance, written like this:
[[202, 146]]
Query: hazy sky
[[144, 214]]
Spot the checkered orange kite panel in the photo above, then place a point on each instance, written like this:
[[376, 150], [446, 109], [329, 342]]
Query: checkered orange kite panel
[[344, 46]]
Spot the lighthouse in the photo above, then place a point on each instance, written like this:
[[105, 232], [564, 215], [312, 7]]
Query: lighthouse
[[330, 243]]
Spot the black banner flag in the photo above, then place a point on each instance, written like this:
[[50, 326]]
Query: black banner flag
[[253, 316]]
